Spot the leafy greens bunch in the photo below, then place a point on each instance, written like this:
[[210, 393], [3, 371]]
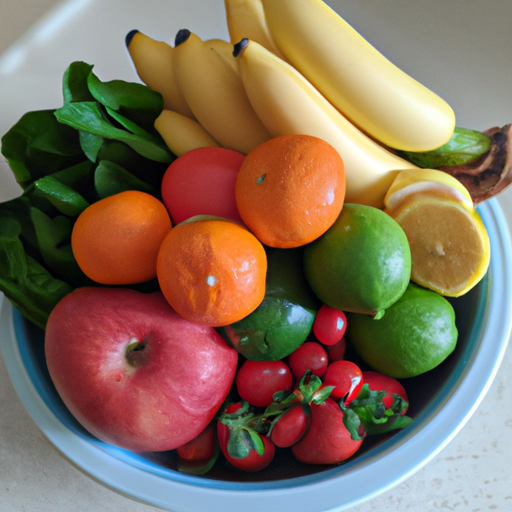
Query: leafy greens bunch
[[100, 142]]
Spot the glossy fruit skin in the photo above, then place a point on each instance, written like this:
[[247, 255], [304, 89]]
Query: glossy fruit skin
[[291, 427], [327, 440], [253, 461], [116, 240], [309, 356], [330, 325], [257, 381], [342, 278], [212, 271], [283, 321], [379, 382], [202, 182], [200, 449], [347, 379], [187, 369], [290, 189], [415, 335]]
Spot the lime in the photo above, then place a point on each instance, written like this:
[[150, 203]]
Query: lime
[[283, 321], [415, 335], [362, 263]]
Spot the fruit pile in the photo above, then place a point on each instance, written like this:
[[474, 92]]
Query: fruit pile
[[242, 249]]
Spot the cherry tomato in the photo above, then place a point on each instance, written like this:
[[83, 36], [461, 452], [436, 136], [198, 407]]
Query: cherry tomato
[[379, 382], [202, 182], [291, 427], [253, 461], [309, 356], [201, 448], [257, 381], [347, 379], [337, 351], [330, 325]]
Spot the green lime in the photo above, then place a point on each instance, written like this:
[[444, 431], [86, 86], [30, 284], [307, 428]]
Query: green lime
[[415, 335], [362, 263], [283, 321]]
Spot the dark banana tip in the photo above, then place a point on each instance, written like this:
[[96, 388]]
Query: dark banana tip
[[129, 37], [238, 47], [182, 35]]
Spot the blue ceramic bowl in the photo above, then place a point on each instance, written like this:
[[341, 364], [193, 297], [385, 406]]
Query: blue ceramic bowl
[[441, 403]]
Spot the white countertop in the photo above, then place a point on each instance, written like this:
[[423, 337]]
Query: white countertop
[[472, 474]]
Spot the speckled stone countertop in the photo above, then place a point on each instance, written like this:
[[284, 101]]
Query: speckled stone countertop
[[472, 474]]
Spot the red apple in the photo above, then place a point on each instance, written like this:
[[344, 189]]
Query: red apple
[[132, 371]]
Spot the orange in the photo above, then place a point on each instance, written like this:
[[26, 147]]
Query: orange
[[212, 271], [290, 190], [116, 240]]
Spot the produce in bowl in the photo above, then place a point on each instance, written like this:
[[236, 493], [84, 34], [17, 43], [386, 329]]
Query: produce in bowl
[[154, 150]]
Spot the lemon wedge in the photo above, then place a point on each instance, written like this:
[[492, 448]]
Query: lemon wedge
[[450, 249], [425, 182]]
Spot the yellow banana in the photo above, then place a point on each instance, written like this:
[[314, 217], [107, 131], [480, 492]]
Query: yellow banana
[[216, 95], [154, 64], [364, 85], [246, 19], [182, 134], [224, 49], [287, 104]]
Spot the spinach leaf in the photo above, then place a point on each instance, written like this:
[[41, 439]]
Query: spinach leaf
[[38, 145], [74, 82], [110, 179], [27, 284], [133, 100], [89, 117]]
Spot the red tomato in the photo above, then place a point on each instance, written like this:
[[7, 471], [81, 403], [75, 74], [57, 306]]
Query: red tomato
[[327, 440], [347, 379], [202, 182], [253, 461], [330, 325], [378, 382], [202, 448], [257, 381], [291, 427], [309, 356], [337, 351]]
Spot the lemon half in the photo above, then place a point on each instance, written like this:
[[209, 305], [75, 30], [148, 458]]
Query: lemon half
[[450, 249]]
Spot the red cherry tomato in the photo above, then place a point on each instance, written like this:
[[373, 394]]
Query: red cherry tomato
[[347, 379], [257, 381], [291, 427], [309, 356], [202, 182], [253, 461], [201, 448], [337, 351], [330, 325], [378, 382]]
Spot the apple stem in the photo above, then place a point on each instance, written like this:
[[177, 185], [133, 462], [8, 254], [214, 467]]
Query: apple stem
[[134, 351]]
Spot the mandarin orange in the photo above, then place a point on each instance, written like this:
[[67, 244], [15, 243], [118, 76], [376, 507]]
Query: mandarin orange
[[116, 240], [290, 190], [212, 271]]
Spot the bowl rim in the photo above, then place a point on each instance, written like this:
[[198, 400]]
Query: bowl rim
[[370, 474]]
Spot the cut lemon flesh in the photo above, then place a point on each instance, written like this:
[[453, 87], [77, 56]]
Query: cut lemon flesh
[[450, 249], [425, 182]]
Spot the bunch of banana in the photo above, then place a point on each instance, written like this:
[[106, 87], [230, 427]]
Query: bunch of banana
[[357, 79], [297, 67], [246, 20], [154, 63]]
